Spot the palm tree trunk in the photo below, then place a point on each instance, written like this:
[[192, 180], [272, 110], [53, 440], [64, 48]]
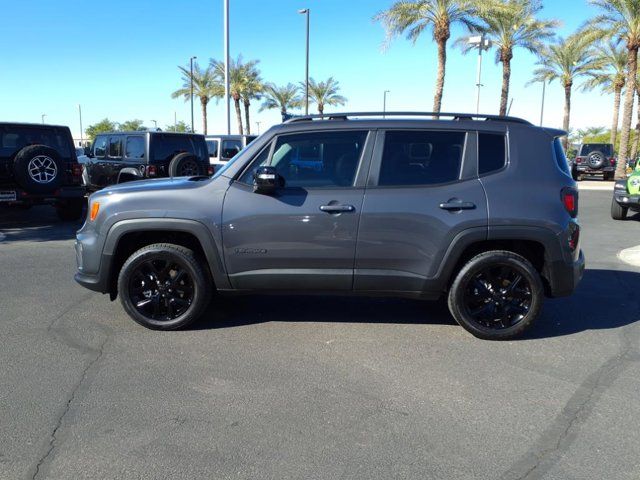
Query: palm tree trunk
[[247, 123], [567, 113], [627, 112], [203, 104], [442, 61], [236, 102], [321, 108], [616, 115], [506, 79], [634, 149]]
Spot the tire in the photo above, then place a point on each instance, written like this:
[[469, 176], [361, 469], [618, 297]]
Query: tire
[[185, 165], [618, 212], [483, 270], [596, 159], [70, 210], [574, 174], [174, 277], [38, 169]]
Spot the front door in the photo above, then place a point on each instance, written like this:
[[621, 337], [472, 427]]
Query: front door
[[303, 237], [423, 191]]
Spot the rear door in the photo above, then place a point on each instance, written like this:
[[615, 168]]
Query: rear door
[[422, 192], [304, 236]]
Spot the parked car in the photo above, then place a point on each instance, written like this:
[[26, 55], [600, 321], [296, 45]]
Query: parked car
[[118, 157], [395, 207], [38, 165], [223, 148], [626, 195], [595, 159]]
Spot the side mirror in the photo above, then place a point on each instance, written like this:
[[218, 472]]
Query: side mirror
[[267, 180]]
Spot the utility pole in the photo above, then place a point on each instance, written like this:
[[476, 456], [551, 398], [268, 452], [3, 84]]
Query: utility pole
[[544, 87], [258, 124], [384, 103], [191, 78], [42, 116], [81, 130], [226, 66], [307, 12]]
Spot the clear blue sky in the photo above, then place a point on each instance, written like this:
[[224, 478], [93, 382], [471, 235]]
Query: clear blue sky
[[118, 59]]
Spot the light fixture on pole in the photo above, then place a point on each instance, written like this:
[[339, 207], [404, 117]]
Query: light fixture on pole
[[226, 66], [81, 130], [307, 12], [481, 43], [384, 102], [42, 116], [155, 123], [258, 124], [191, 82]]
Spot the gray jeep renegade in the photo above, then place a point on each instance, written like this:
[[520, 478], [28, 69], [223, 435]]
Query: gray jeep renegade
[[481, 209]]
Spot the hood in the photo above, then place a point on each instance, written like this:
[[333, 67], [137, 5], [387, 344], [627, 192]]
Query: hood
[[157, 184]]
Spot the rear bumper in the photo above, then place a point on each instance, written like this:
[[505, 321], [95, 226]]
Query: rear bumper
[[564, 276], [586, 169], [63, 193]]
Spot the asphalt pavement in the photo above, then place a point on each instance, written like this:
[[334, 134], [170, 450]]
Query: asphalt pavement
[[314, 387]]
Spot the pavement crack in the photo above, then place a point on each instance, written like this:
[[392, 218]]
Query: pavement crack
[[48, 454]]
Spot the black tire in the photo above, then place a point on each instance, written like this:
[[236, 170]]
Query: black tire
[[618, 212], [38, 169], [574, 174], [70, 210], [164, 287], [185, 165], [596, 159], [474, 292]]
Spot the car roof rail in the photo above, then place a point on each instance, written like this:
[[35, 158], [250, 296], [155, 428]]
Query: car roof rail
[[288, 118]]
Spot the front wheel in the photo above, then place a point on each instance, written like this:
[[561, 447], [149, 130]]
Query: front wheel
[[164, 287], [618, 212], [497, 295]]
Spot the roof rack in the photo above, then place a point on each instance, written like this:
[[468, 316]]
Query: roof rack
[[436, 116]]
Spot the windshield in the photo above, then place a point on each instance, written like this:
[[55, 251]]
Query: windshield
[[589, 148]]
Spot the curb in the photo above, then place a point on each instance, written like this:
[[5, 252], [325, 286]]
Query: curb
[[630, 256]]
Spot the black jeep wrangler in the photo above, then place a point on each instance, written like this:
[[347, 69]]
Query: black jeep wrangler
[[594, 159], [38, 165], [119, 157]]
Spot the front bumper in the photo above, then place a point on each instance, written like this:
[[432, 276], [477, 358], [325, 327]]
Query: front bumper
[[626, 200]]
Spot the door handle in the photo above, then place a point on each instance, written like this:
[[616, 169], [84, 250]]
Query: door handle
[[337, 208], [458, 206]]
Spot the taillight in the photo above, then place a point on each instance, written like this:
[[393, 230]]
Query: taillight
[[569, 198], [574, 236], [612, 161], [152, 170], [76, 169], [210, 170], [579, 159]]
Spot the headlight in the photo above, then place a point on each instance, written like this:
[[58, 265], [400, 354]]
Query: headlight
[[635, 181]]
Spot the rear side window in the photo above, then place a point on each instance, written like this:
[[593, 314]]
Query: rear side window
[[212, 147], [135, 147], [100, 147], [492, 154], [165, 147], [230, 148], [416, 157], [561, 159], [589, 148], [115, 147]]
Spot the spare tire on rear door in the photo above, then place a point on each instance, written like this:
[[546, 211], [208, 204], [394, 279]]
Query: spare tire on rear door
[[38, 169], [185, 165], [596, 159]]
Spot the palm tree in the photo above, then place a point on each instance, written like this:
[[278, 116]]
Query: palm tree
[[205, 87], [325, 93], [252, 88], [511, 24], [610, 78], [565, 60], [414, 17], [284, 98], [237, 82], [621, 21]]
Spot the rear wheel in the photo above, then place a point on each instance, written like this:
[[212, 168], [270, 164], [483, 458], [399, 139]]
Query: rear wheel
[[164, 287], [184, 165], [618, 212], [497, 295], [38, 169]]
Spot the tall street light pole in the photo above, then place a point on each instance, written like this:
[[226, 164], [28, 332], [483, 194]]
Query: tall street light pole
[[42, 116], [81, 130], [191, 79], [384, 102], [481, 43], [155, 123], [226, 66], [306, 12], [544, 87], [258, 124]]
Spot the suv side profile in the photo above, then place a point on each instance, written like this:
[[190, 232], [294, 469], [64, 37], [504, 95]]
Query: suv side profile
[[38, 165], [118, 157], [223, 148], [388, 206], [595, 159]]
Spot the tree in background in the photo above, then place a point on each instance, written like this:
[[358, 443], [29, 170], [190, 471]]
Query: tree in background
[[205, 88], [414, 17], [325, 93], [132, 126], [237, 82], [620, 20], [179, 127], [610, 78], [565, 60], [285, 98], [512, 24], [252, 89], [103, 126]]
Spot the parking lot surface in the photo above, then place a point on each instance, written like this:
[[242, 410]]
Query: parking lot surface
[[314, 387]]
